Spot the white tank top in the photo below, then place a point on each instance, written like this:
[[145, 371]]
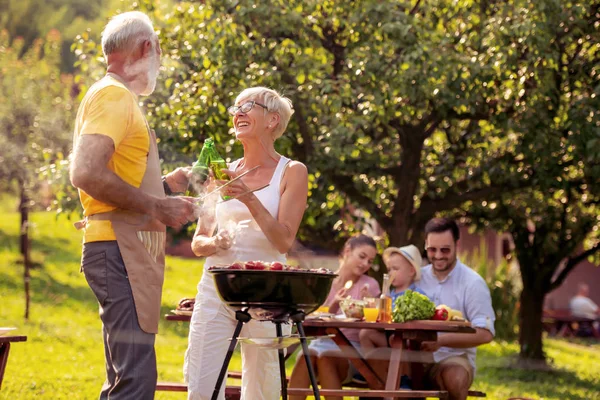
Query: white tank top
[[250, 243]]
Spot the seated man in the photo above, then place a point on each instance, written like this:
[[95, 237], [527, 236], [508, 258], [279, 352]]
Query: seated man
[[581, 305], [448, 281]]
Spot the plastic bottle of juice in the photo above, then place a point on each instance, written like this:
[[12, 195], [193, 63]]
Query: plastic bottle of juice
[[385, 301]]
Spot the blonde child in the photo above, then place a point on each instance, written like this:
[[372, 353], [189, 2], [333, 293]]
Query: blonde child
[[404, 266]]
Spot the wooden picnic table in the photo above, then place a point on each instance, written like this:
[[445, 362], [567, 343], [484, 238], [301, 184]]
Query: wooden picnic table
[[5, 342], [564, 324], [406, 336]]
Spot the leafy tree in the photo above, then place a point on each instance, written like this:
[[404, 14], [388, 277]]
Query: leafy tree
[[30, 20], [36, 114], [556, 224], [401, 110]]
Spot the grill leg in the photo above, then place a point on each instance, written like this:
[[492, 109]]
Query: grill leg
[[281, 363], [242, 317], [311, 372]]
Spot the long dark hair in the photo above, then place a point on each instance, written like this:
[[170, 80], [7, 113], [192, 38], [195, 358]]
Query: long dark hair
[[359, 240]]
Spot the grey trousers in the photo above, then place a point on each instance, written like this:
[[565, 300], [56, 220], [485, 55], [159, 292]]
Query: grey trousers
[[129, 351]]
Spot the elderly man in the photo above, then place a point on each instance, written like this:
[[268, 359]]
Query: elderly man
[[115, 166], [448, 281], [581, 305]]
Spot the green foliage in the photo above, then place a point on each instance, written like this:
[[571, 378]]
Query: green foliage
[[504, 283], [400, 111], [554, 223], [36, 113], [411, 306], [30, 20], [432, 108], [559, 213]]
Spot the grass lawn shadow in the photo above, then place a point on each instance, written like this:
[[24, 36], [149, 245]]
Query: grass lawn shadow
[[9, 282], [46, 288], [51, 248], [551, 383]]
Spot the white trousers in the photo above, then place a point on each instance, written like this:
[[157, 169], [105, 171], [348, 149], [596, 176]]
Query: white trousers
[[211, 327]]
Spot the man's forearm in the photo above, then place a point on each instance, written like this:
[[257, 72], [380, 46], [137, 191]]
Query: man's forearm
[[108, 188], [463, 341]]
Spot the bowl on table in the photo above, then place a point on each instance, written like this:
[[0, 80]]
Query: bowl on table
[[353, 308]]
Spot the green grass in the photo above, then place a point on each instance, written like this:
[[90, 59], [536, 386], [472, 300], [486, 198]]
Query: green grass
[[63, 357]]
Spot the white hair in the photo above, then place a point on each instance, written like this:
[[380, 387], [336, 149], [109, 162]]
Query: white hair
[[125, 30], [275, 103]]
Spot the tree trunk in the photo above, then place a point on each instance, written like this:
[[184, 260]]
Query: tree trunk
[[408, 182], [24, 242], [530, 323]]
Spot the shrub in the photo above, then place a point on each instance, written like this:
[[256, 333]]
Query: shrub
[[504, 283]]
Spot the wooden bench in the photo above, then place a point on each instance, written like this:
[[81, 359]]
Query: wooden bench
[[234, 392]]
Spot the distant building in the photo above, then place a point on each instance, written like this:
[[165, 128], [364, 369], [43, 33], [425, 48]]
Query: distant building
[[499, 246]]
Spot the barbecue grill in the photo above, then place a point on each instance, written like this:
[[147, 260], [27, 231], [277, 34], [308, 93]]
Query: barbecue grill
[[276, 296]]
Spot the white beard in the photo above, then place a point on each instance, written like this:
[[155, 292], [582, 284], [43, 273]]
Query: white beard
[[151, 76], [148, 68]]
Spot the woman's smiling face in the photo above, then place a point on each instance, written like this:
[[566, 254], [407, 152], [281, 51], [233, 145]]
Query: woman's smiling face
[[360, 259], [251, 123]]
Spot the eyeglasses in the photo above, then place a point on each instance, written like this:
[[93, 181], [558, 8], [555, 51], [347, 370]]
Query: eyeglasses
[[443, 250], [245, 108]]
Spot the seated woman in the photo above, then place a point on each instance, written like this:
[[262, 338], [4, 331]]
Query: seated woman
[[331, 366]]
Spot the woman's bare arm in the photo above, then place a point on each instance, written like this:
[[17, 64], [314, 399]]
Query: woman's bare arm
[[205, 243]]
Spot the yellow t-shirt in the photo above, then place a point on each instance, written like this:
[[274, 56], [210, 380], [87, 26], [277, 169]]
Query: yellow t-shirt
[[110, 109]]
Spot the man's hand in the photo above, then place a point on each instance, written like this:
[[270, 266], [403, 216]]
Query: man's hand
[[178, 179], [175, 211], [430, 346]]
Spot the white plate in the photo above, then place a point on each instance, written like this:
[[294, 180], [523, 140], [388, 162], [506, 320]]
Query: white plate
[[320, 315], [342, 317], [5, 330]]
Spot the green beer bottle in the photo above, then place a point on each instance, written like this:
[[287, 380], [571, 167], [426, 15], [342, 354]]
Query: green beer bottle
[[199, 173], [216, 163]]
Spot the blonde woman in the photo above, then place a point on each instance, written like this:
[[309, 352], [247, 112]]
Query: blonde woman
[[260, 116]]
